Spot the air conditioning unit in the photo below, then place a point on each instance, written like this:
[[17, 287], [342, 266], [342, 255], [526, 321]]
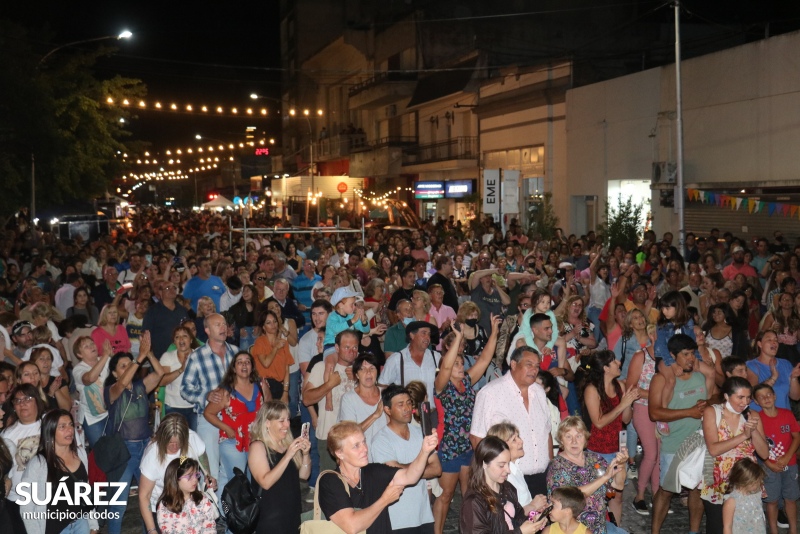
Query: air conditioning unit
[[664, 172], [391, 111]]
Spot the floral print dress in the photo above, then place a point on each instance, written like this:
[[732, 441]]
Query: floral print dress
[[193, 519], [239, 415], [715, 492], [457, 408], [562, 472]]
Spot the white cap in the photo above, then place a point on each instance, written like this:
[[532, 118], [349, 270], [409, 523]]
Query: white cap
[[341, 294]]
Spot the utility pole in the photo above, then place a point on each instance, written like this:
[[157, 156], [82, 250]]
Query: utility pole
[[679, 192]]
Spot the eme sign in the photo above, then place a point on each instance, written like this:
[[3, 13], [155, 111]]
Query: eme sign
[[491, 190], [262, 151]]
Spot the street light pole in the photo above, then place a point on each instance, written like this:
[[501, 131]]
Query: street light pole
[[124, 35]]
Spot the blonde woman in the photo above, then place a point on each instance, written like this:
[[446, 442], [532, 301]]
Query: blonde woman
[[277, 462], [421, 306], [109, 329]]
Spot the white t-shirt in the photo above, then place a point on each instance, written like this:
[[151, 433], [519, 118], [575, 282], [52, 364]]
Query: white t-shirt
[[22, 442], [153, 470], [517, 480], [93, 407], [326, 419], [57, 360], [307, 347], [172, 391], [413, 509], [353, 408]]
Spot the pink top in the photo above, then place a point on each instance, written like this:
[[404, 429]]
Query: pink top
[[193, 519], [501, 400], [119, 342], [441, 315]]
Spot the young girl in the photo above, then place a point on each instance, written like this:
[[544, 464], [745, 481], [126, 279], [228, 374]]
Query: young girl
[[742, 512], [183, 508]]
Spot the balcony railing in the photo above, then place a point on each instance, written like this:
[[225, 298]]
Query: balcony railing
[[380, 78], [457, 148], [395, 140], [339, 145]]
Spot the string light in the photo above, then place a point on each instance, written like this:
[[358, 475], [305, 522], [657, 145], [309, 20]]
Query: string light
[[196, 150], [378, 199], [188, 108]]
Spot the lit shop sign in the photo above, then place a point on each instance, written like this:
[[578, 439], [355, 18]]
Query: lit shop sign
[[459, 188], [429, 190], [262, 152]]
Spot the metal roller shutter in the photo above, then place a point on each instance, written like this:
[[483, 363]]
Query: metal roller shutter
[[700, 218]]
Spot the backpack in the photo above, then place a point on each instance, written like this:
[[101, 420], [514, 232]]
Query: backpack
[[240, 504]]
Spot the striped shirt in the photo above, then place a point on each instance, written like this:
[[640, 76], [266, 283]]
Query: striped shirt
[[203, 373]]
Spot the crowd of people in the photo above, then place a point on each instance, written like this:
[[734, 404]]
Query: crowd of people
[[537, 377]]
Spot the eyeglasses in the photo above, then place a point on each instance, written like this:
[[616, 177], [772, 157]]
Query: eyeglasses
[[168, 288], [190, 476], [528, 305], [260, 278], [21, 400]]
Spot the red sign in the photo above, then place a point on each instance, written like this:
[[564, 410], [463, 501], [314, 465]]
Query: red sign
[[262, 152], [342, 187]]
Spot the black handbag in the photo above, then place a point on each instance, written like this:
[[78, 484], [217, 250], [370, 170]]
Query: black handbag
[[110, 452], [240, 504]]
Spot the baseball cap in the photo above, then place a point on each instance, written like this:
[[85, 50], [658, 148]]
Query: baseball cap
[[736, 249], [341, 294], [19, 325]]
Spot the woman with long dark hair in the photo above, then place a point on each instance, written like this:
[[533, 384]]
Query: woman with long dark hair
[[244, 317], [490, 505], [608, 407], [128, 411], [730, 436], [785, 322], [61, 463], [242, 397], [719, 329], [81, 305]]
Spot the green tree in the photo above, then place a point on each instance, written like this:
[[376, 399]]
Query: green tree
[[542, 218], [55, 111], [624, 223]]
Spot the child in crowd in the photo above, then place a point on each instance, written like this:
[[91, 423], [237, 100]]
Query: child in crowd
[[182, 507], [346, 316], [742, 512], [783, 435], [734, 366], [568, 504]]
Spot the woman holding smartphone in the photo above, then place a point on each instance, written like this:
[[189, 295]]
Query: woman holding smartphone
[[608, 407]]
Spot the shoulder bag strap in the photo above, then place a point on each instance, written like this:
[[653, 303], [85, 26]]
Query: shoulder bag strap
[[123, 415], [624, 346], [317, 509], [402, 371]]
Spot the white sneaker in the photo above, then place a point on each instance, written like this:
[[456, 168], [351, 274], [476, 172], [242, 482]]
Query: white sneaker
[[632, 472], [310, 496]]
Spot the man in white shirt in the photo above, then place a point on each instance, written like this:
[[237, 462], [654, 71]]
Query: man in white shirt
[[338, 382], [517, 397], [397, 445], [415, 362], [232, 295]]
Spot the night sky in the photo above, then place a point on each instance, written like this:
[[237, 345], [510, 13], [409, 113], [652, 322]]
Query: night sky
[[199, 53]]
